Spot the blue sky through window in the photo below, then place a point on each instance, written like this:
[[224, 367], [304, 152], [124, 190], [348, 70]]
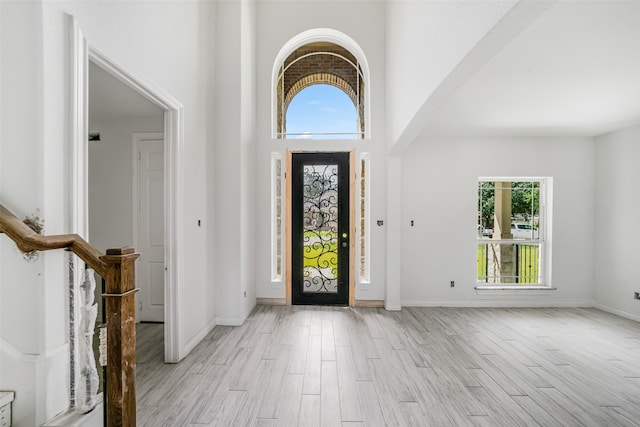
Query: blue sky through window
[[321, 109]]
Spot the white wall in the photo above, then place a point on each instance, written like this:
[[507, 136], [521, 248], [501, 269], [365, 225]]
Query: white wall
[[368, 32], [22, 160], [111, 179], [248, 111], [235, 212], [228, 173], [425, 41], [617, 226], [33, 357], [163, 43], [440, 194], [160, 42]]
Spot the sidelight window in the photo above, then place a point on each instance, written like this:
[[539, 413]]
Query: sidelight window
[[363, 187], [276, 217]]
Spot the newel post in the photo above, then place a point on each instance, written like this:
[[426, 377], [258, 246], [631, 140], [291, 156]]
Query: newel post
[[121, 336]]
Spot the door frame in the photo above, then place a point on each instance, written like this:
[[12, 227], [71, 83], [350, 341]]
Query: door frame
[[352, 220], [81, 53]]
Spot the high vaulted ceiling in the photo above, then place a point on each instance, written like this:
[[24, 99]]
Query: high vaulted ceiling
[[574, 71]]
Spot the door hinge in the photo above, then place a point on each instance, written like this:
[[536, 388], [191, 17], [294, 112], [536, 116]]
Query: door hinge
[[139, 156]]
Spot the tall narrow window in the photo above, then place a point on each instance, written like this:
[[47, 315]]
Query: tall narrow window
[[276, 215], [511, 232], [364, 217]]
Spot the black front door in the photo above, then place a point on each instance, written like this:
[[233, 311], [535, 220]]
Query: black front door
[[320, 228]]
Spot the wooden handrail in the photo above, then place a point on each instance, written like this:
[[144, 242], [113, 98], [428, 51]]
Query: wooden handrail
[[28, 240], [117, 267]]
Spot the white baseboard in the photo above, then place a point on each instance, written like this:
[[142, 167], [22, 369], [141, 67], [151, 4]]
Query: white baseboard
[[271, 301], [230, 320], [393, 307], [499, 303], [620, 313], [195, 340]]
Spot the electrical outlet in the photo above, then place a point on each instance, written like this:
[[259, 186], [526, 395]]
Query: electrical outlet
[[636, 295], [453, 283]]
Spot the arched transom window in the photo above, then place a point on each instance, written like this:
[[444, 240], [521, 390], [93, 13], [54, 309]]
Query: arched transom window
[[320, 63]]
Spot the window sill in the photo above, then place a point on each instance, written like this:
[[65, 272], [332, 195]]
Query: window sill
[[514, 288]]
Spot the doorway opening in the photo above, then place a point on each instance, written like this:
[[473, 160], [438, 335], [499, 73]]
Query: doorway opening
[[125, 201], [130, 97], [171, 112]]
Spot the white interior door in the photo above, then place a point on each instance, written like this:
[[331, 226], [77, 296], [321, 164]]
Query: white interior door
[[149, 156]]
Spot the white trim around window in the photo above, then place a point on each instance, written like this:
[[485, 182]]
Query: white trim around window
[[537, 243], [364, 224], [277, 217]]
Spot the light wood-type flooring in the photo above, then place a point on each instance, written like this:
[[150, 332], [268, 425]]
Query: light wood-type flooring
[[326, 366]]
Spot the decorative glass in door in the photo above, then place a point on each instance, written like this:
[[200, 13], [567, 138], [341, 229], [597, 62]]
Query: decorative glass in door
[[320, 221]]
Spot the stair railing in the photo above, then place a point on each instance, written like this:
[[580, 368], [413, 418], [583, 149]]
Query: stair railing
[[117, 267]]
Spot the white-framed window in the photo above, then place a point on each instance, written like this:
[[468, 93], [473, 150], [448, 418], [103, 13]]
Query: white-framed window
[[277, 224], [364, 184], [320, 56], [338, 76], [513, 231]]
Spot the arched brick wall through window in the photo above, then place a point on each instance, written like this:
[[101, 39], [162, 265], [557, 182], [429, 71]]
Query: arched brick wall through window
[[319, 63]]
